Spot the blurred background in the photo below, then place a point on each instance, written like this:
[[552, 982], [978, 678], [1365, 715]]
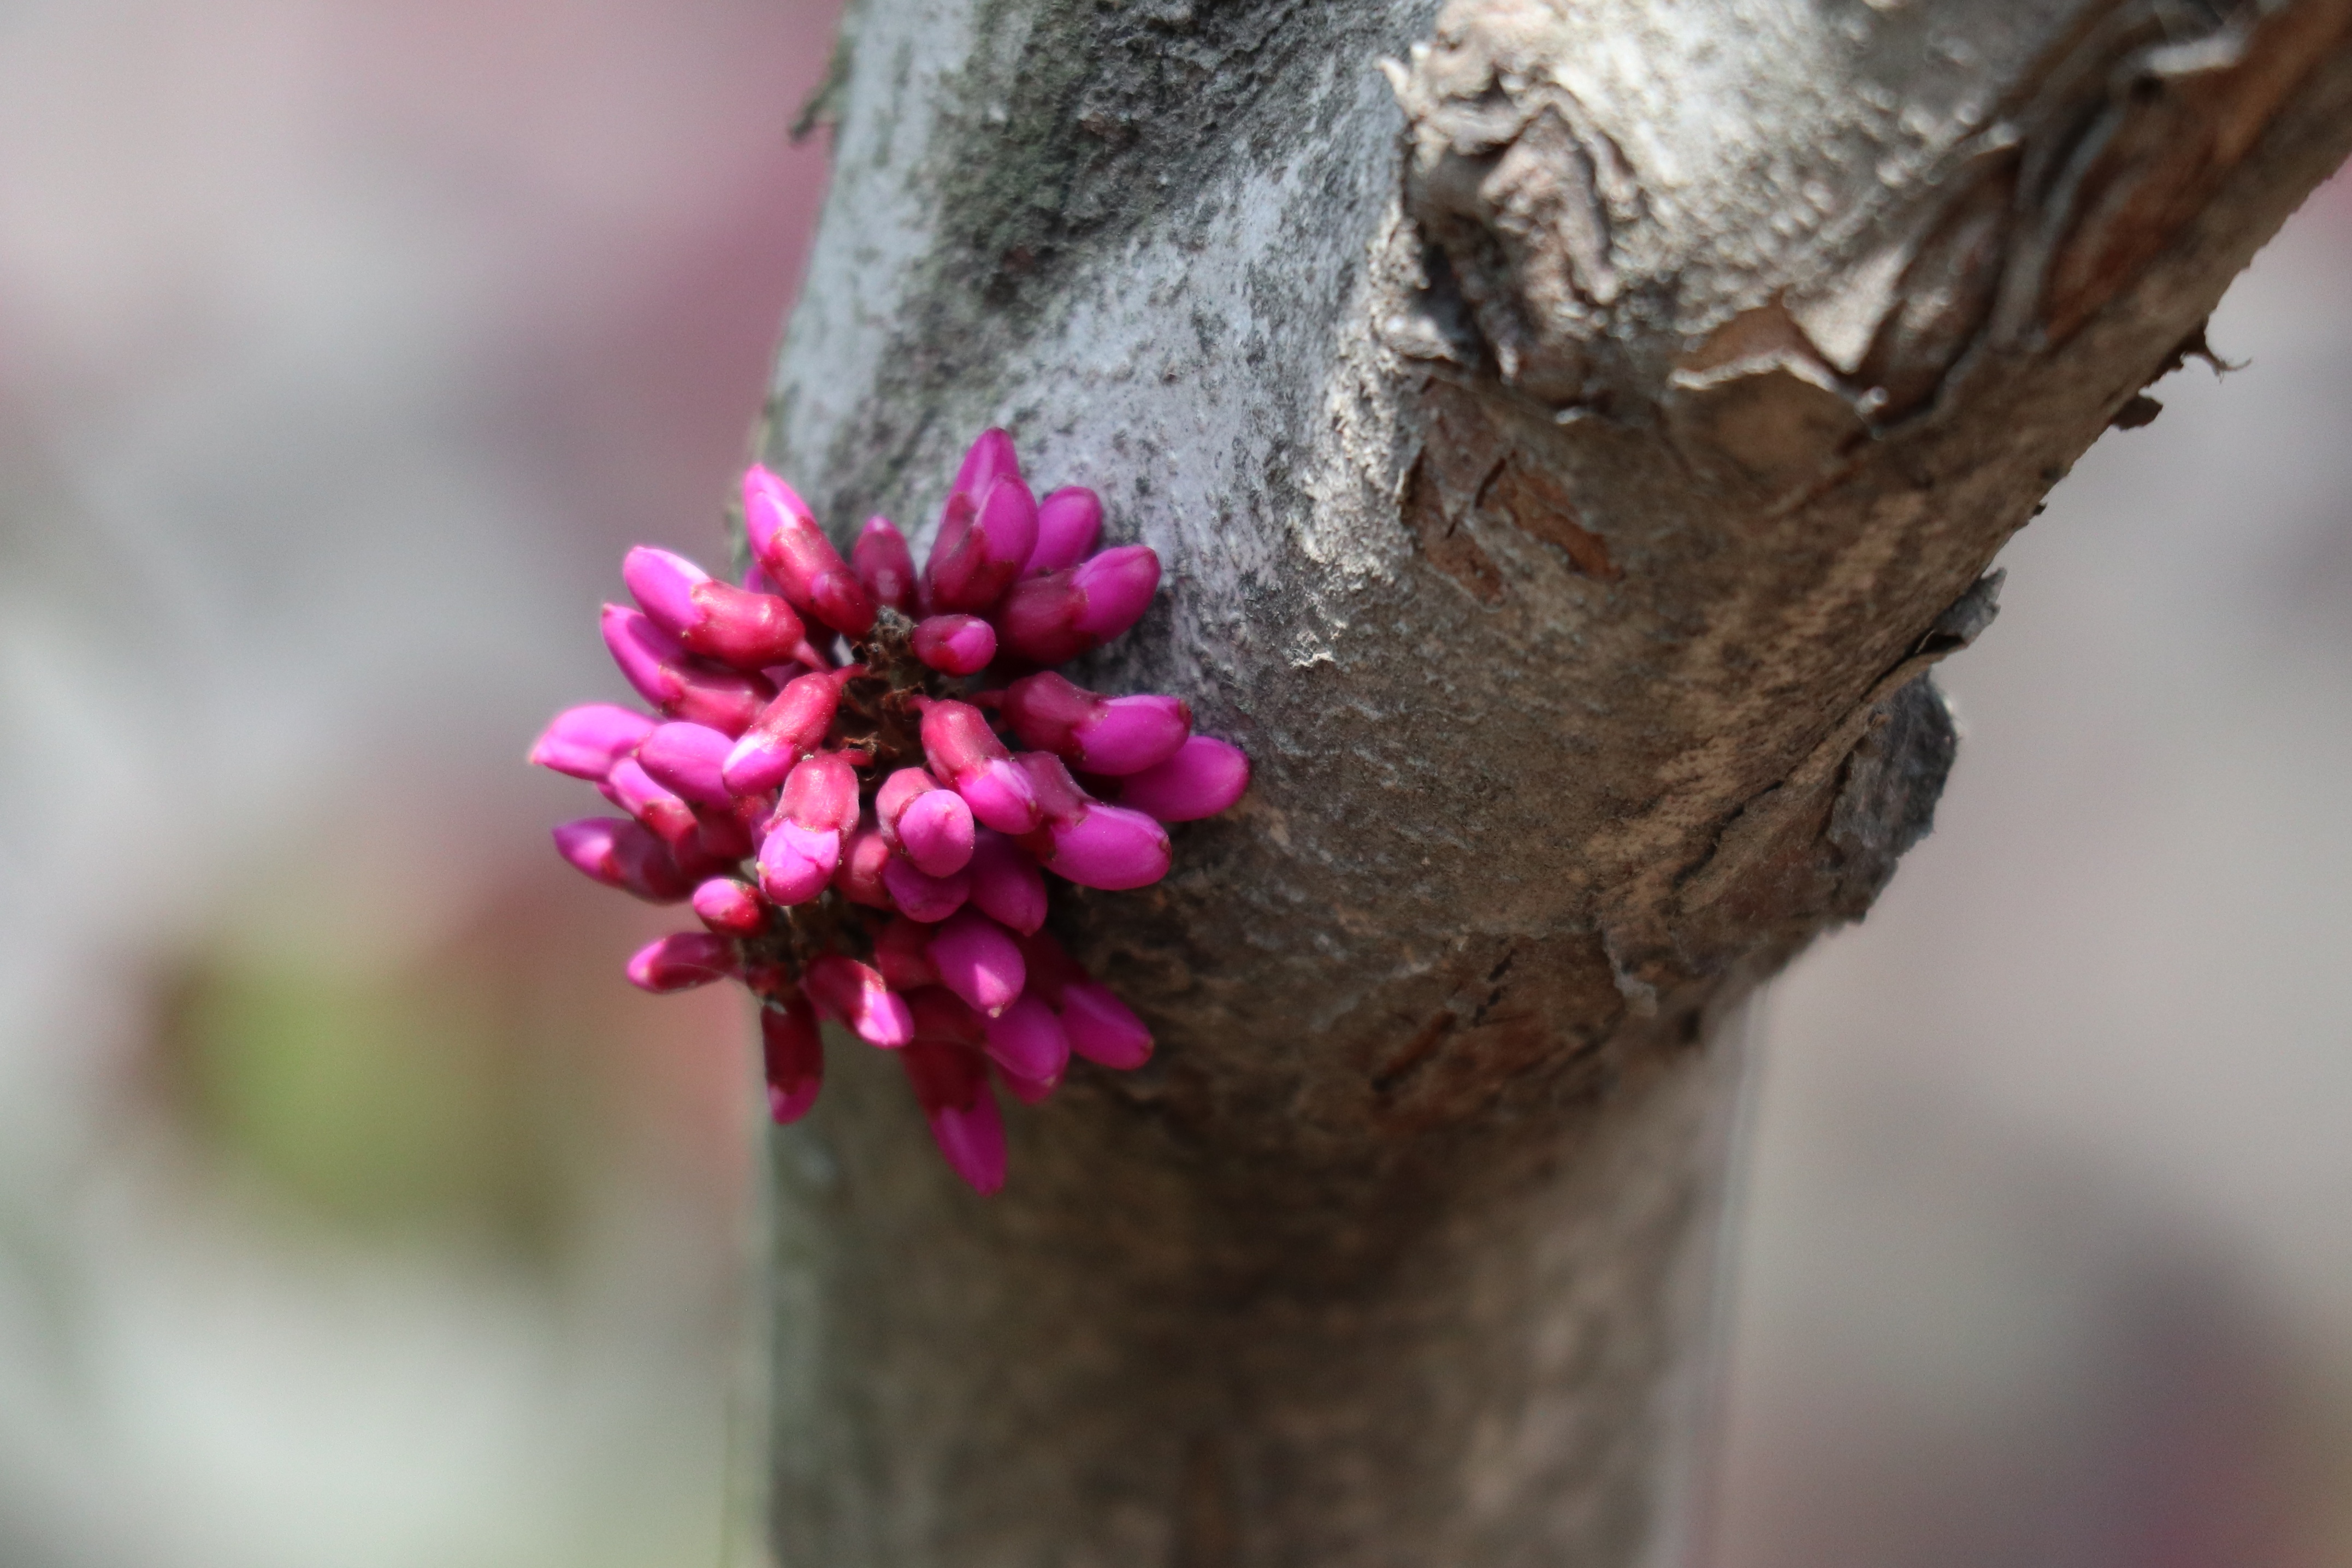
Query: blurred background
[[354, 1210]]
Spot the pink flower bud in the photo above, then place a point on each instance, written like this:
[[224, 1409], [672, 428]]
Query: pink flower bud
[[853, 994], [1110, 848], [984, 539], [784, 535], [951, 1084], [795, 863], [733, 833], [1006, 884], [885, 565], [1026, 1040], [1023, 1089], [680, 961], [787, 729], [943, 1017], [1101, 1029], [937, 832], [1069, 522], [623, 854], [978, 961], [1102, 735], [864, 856], [961, 747], [917, 896], [730, 907], [821, 793], [665, 676], [794, 1054], [989, 458], [1202, 779], [902, 953], [1052, 619], [955, 644], [686, 758], [899, 791], [586, 741], [734, 625], [630, 788]]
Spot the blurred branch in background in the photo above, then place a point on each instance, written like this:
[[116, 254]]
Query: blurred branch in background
[[352, 1210]]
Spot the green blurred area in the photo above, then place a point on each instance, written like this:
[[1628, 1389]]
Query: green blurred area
[[417, 1100]]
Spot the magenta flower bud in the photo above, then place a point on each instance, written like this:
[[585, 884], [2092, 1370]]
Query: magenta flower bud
[[746, 630], [822, 793], [1021, 1089], [989, 458], [784, 535], [936, 830], [978, 961], [899, 791], [955, 644], [1027, 1041], [1055, 618], [902, 953], [733, 833], [864, 856], [1110, 848], [961, 747], [795, 863], [686, 758], [787, 729], [730, 907], [1069, 522], [1202, 779], [680, 961], [1006, 884], [665, 676], [1101, 1029], [951, 1084], [852, 994], [795, 1055], [999, 796], [1103, 735], [885, 565], [929, 899], [632, 789], [623, 854], [984, 541], [943, 1017], [586, 741]]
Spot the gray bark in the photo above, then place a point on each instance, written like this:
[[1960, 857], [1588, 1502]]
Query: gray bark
[[1569, 456]]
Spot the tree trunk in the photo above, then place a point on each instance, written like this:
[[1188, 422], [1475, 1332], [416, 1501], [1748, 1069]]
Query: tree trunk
[[1569, 450]]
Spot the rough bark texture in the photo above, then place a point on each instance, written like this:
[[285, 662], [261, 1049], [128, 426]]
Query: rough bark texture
[[1569, 450]]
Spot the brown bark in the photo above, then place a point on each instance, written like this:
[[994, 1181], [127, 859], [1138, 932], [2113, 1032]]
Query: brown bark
[[1564, 500]]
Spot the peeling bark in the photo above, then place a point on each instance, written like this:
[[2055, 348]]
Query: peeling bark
[[1571, 454]]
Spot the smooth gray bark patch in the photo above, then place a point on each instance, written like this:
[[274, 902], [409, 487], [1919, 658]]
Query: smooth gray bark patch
[[1569, 450]]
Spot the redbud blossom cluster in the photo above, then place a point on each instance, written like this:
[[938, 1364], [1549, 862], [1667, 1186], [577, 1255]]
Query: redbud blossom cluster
[[861, 774]]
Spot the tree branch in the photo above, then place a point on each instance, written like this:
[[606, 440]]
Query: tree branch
[[1564, 501]]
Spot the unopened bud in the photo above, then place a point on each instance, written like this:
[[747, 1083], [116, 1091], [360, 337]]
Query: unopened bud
[[624, 854], [794, 1050], [978, 961], [586, 741], [1205, 777], [955, 644], [1069, 523], [852, 994], [884, 565], [681, 960], [785, 536], [658, 665]]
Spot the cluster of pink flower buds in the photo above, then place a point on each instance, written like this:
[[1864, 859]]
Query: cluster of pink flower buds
[[831, 789]]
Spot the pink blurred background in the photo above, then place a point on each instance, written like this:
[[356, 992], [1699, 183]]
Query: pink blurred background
[[354, 1210]]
